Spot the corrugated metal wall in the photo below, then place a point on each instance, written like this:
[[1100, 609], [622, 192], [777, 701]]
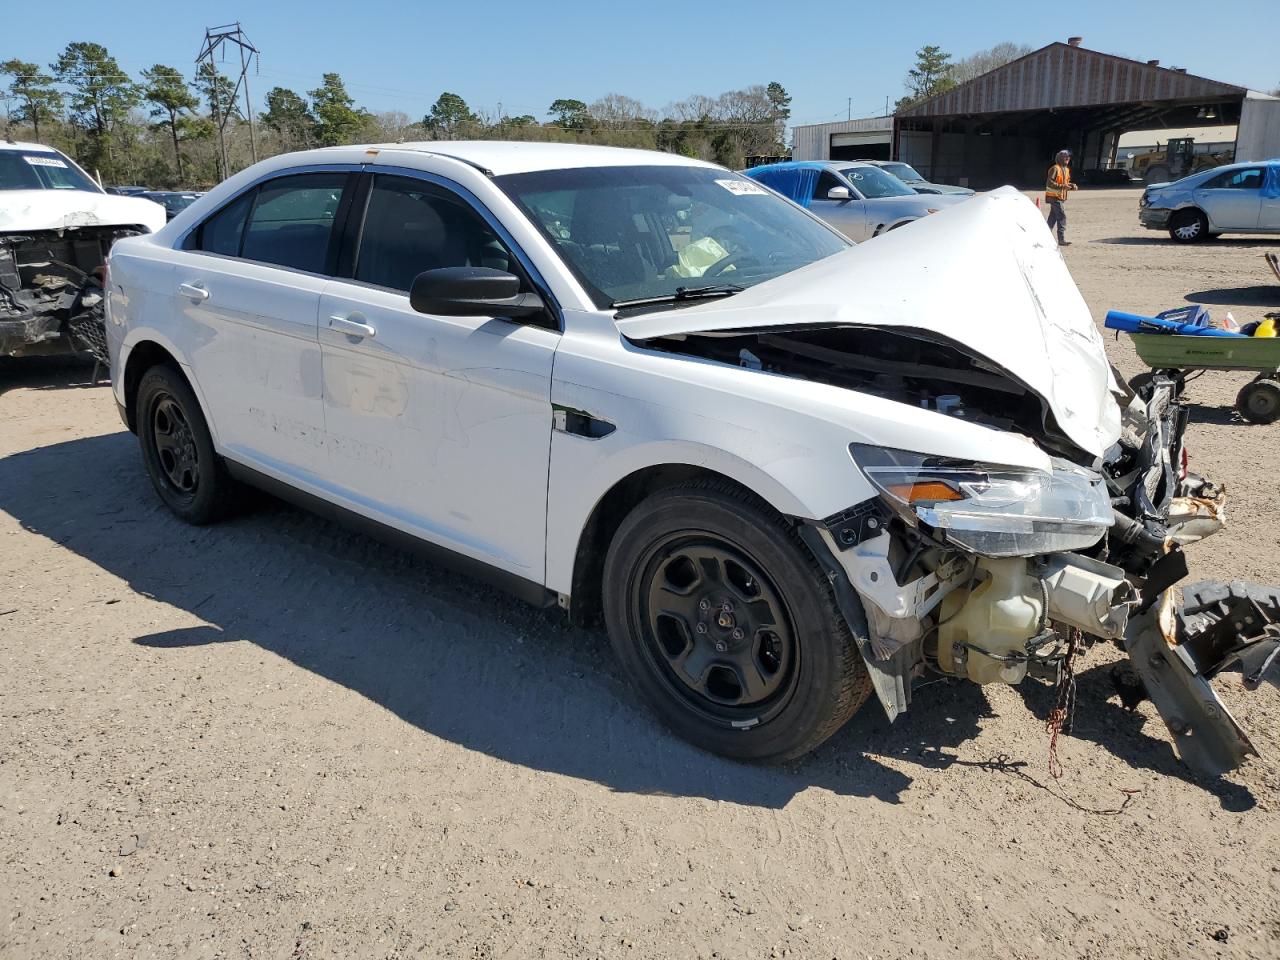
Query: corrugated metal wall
[[1064, 76], [1258, 136], [813, 141]]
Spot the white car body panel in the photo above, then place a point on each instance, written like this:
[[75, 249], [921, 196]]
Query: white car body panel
[[67, 209], [984, 273]]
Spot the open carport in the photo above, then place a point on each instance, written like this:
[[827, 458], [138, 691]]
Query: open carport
[[1004, 126]]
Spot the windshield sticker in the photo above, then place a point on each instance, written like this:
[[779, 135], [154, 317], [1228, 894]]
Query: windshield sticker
[[44, 161], [743, 188]]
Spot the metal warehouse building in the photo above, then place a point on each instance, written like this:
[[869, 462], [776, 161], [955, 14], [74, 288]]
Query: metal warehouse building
[[1004, 126]]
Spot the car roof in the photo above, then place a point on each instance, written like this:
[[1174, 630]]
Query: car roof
[[500, 157], [810, 165], [21, 145]]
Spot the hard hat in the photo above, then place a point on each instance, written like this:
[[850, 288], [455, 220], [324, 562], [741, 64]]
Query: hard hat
[[1062, 151]]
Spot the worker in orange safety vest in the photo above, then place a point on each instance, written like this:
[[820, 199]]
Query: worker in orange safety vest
[[1056, 187]]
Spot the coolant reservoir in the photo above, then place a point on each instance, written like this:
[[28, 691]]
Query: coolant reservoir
[[1000, 615]]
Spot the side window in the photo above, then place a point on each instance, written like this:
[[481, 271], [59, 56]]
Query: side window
[[221, 233], [411, 225], [826, 181], [1250, 179], [292, 221]]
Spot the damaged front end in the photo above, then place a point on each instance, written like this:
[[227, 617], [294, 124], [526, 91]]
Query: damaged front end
[[51, 290], [1008, 594]]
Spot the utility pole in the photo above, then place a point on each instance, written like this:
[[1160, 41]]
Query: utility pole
[[848, 109], [214, 39]]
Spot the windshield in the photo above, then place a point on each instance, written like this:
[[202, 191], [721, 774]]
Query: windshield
[[41, 170], [903, 171], [874, 184], [641, 233]]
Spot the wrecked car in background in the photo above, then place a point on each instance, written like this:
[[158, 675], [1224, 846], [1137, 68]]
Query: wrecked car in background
[[789, 474], [56, 226]]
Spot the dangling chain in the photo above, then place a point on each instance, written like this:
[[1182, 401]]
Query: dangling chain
[[1065, 704]]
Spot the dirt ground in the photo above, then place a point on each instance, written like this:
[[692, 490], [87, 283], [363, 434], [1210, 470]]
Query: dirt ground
[[274, 738]]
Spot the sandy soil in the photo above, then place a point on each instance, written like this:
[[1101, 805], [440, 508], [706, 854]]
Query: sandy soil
[[274, 738]]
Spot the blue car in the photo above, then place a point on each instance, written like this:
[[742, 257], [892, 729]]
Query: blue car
[[1237, 198]]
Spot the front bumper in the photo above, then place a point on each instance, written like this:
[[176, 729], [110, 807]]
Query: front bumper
[[1154, 218]]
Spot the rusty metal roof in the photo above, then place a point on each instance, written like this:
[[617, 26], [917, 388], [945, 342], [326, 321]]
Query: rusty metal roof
[[1060, 76]]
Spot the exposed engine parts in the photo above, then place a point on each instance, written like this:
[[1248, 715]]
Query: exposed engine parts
[[928, 603], [51, 296]]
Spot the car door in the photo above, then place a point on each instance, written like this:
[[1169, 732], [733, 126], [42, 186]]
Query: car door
[[1232, 199], [248, 286], [439, 426], [1269, 213], [847, 216]]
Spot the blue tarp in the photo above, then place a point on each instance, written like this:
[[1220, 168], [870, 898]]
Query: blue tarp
[[1135, 323], [794, 180], [1271, 182]]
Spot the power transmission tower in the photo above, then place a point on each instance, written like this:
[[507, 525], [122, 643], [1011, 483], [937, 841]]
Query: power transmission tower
[[214, 40]]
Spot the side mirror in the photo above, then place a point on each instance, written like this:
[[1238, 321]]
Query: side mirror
[[472, 292], [839, 193]]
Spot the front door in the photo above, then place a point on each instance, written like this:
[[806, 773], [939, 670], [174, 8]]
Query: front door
[[847, 216], [1232, 199], [439, 426], [248, 293]]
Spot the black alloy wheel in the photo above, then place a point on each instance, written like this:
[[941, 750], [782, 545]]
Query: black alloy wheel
[[175, 446], [716, 629]]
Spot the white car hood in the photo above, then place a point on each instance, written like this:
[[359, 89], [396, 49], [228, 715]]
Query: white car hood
[[63, 209], [985, 273]]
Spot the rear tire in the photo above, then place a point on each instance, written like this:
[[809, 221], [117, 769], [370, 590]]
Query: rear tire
[[1158, 174], [1259, 401], [177, 449], [1189, 226], [727, 627]]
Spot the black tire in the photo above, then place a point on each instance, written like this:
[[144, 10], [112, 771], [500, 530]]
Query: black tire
[[1189, 226], [1157, 174], [779, 669], [1259, 401], [177, 449]]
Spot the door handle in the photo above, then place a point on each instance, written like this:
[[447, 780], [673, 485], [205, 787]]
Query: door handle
[[354, 328], [193, 290]]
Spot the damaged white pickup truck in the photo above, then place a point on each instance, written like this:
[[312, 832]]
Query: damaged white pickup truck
[[56, 226], [789, 473]]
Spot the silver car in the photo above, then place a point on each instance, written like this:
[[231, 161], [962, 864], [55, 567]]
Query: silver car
[[858, 199], [911, 177], [1238, 198]]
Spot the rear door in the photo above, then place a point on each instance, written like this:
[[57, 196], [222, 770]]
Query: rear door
[[247, 291], [439, 426], [1232, 199], [847, 216]]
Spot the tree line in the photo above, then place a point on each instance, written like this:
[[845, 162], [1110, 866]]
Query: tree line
[[160, 129], [934, 71]]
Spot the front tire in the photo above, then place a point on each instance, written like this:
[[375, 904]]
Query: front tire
[[726, 625], [1189, 226], [177, 449]]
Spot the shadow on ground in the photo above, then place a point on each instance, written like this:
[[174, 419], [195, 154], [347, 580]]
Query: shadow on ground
[[1252, 296], [47, 373], [1161, 238], [455, 659]]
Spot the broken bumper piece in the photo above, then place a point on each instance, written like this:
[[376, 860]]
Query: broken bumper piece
[[1176, 650]]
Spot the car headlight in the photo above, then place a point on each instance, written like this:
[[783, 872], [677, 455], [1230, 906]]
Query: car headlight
[[991, 509]]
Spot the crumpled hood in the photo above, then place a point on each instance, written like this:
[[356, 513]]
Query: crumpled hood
[[62, 209], [985, 274]]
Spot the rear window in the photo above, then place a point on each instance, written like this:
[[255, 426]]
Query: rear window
[[41, 170]]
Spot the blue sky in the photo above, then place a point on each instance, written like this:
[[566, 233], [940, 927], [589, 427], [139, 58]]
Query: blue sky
[[401, 55]]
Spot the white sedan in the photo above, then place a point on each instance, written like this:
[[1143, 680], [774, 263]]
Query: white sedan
[[786, 472]]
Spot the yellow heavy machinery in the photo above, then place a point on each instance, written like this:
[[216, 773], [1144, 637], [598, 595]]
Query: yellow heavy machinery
[[1174, 160]]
